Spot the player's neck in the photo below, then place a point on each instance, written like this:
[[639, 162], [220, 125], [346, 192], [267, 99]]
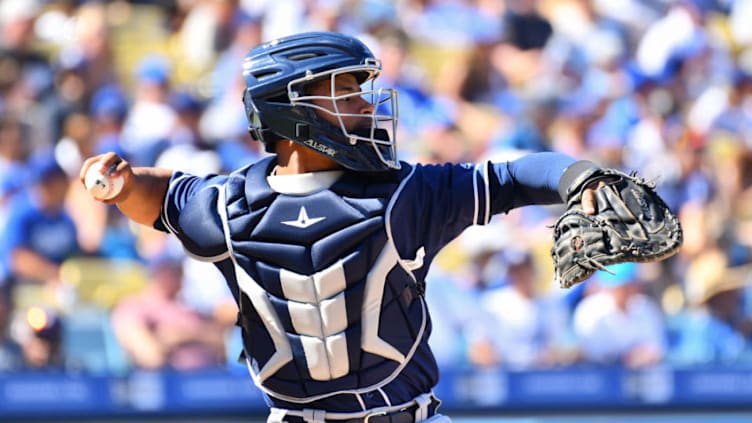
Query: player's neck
[[293, 158]]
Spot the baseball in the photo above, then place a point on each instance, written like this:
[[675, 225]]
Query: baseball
[[100, 185]]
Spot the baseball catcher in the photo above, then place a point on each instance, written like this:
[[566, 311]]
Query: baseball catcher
[[326, 243], [630, 223]]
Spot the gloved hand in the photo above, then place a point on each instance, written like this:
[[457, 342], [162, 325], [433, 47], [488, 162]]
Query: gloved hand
[[631, 223]]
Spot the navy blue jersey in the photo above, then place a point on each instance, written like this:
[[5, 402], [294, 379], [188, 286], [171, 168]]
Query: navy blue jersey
[[329, 275]]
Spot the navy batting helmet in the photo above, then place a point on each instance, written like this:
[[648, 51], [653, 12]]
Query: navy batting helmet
[[278, 107]]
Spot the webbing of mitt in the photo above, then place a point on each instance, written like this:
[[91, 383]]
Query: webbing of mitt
[[632, 224]]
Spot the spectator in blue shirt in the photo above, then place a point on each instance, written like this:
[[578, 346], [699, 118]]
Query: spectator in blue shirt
[[710, 330], [618, 323], [39, 234]]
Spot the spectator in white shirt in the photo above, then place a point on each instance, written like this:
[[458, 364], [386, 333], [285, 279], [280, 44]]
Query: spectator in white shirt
[[618, 324], [531, 330]]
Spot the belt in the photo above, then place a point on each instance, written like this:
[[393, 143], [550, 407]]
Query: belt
[[405, 415]]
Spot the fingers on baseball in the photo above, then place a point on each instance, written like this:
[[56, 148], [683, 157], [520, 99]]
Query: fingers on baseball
[[109, 163], [118, 167]]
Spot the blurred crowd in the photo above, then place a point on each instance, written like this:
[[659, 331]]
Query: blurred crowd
[[658, 87]]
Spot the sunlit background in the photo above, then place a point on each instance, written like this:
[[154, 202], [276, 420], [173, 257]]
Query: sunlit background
[[102, 319]]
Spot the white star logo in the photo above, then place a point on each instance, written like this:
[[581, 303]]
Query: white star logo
[[303, 221]]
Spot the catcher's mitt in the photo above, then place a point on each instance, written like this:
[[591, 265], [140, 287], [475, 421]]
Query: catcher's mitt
[[632, 223]]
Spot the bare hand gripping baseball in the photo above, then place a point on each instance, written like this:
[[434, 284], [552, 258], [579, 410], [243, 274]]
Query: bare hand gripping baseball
[[137, 191], [101, 183], [631, 223]]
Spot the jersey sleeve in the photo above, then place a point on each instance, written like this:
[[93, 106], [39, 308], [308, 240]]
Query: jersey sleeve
[[531, 179], [190, 213], [437, 202]]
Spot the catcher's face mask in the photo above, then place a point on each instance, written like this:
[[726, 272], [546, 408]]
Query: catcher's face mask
[[277, 74], [366, 116]]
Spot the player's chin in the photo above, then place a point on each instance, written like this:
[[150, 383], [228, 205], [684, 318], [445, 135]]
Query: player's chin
[[362, 128]]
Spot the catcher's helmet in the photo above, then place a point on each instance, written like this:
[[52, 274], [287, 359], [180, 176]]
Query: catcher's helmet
[[276, 74]]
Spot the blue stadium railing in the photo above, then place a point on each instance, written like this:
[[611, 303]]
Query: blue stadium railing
[[151, 394]]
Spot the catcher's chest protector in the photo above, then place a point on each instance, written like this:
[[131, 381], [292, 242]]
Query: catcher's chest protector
[[325, 306]]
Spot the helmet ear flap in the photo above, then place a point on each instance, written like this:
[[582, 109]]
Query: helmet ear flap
[[258, 131], [254, 122], [255, 127]]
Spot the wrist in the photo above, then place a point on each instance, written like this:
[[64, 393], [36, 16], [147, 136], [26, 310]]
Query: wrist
[[572, 177]]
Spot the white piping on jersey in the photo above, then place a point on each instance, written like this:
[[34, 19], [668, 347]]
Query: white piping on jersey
[[256, 374], [361, 402], [165, 220], [211, 259], [488, 192], [303, 183], [406, 264], [385, 397], [371, 312], [282, 349], [171, 228], [475, 196]]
